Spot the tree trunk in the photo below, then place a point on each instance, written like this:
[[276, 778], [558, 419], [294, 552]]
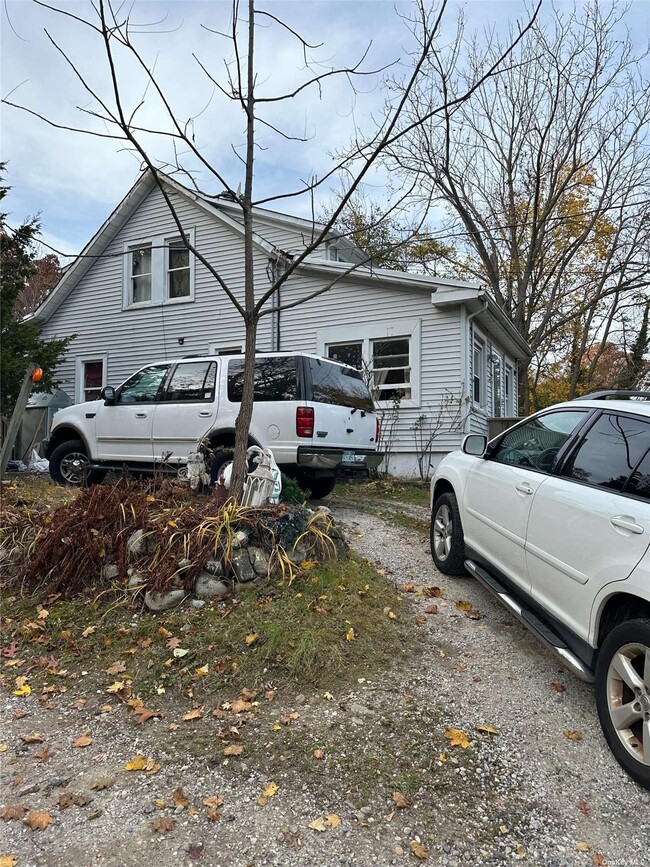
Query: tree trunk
[[243, 423]]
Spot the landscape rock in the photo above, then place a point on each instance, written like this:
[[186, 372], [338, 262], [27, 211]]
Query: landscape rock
[[240, 539], [197, 603], [110, 571], [140, 543], [297, 554], [136, 579], [157, 601], [259, 561], [209, 587], [241, 564], [214, 567]]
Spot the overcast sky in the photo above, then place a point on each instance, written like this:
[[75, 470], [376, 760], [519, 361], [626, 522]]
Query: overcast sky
[[75, 180]]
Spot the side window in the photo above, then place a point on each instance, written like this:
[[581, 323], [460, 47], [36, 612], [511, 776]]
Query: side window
[[275, 379], [192, 381], [639, 482], [536, 443], [610, 451], [143, 386]]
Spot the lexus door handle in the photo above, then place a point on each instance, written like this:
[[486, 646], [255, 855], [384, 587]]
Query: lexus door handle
[[141, 415], [623, 522], [524, 488]]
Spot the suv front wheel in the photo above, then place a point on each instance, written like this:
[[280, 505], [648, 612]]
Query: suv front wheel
[[69, 465], [447, 541], [623, 696]]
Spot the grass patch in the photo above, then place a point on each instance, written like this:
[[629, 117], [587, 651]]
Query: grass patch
[[414, 493], [331, 620]]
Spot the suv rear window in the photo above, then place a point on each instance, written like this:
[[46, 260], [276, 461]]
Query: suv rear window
[[275, 379], [342, 386]]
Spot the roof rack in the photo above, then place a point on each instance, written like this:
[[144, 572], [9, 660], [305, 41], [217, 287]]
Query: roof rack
[[195, 355], [615, 395]]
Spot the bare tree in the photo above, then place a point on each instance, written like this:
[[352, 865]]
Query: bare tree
[[545, 172], [115, 116]]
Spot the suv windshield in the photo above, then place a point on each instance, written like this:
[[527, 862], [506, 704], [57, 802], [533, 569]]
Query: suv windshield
[[343, 386]]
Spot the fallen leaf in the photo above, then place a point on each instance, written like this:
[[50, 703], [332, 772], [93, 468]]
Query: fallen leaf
[[457, 738], [195, 851], [201, 672], [233, 750], [598, 860], [118, 686], [83, 740], [106, 708], [163, 825], [8, 814], [583, 806], [180, 798], [140, 763], [68, 799], [419, 850], [179, 652], [572, 735], [117, 667], [431, 609], [519, 849], [79, 703], [558, 687], [251, 638], [350, 635], [144, 713], [239, 706], [463, 605], [318, 824], [38, 820], [407, 588], [432, 592], [103, 783], [159, 803], [319, 754], [3, 748], [33, 738], [490, 730], [213, 801], [8, 861], [333, 821], [22, 687], [582, 846], [401, 800], [44, 754], [197, 713], [165, 633], [288, 718], [88, 631], [270, 790]]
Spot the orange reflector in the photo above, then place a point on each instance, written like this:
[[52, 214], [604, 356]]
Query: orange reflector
[[37, 375]]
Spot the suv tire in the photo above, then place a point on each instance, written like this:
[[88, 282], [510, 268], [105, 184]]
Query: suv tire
[[446, 534], [68, 463], [623, 696]]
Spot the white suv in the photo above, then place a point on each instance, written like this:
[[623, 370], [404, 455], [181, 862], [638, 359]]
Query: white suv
[[316, 415], [553, 517]]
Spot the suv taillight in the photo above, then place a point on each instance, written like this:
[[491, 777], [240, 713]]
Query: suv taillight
[[377, 430], [305, 421]]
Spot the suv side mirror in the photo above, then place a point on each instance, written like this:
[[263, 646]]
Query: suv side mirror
[[107, 394], [475, 444]]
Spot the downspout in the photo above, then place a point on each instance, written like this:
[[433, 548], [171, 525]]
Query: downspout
[[468, 348]]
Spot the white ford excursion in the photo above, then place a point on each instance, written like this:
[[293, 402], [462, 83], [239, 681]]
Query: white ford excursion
[[316, 415], [553, 517]]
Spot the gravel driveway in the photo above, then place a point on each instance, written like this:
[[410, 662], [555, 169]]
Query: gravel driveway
[[522, 790]]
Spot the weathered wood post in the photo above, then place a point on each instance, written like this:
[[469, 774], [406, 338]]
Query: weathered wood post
[[16, 416]]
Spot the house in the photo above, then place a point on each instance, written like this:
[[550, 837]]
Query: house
[[437, 351]]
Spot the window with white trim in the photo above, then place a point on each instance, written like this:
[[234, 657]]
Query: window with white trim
[[388, 357], [91, 377], [158, 270], [479, 379], [509, 388]]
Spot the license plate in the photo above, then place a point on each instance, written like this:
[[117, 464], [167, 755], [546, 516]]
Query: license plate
[[350, 457]]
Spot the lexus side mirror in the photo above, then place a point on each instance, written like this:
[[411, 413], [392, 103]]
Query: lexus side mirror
[[107, 394], [474, 444]]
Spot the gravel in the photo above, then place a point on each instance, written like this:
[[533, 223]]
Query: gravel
[[526, 794]]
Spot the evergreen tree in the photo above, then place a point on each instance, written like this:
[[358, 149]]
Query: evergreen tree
[[20, 341]]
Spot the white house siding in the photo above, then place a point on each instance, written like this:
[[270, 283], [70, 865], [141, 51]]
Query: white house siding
[[134, 337]]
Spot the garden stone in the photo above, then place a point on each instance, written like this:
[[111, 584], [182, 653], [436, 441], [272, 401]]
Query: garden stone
[[324, 510], [214, 567], [136, 579], [297, 554], [240, 539], [156, 601], [259, 561], [241, 564], [208, 587], [197, 603], [139, 544], [110, 571]]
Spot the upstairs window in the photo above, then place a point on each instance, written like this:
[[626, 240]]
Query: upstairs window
[[141, 274], [178, 270]]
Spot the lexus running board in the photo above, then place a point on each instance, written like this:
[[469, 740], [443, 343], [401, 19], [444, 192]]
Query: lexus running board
[[541, 630]]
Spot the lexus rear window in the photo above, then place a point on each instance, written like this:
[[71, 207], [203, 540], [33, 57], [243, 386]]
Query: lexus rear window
[[275, 379], [342, 386]]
